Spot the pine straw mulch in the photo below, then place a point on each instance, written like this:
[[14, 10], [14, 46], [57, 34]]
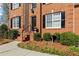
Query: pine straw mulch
[[62, 48], [4, 41]]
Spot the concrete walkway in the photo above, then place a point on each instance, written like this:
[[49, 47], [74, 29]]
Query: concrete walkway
[[11, 49]]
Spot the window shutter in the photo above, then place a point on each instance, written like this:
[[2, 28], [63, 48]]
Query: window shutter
[[19, 4], [43, 21], [11, 6], [11, 23], [33, 5], [19, 22], [63, 19]]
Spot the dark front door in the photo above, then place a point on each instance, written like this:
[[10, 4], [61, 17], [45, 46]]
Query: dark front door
[[33, 22]]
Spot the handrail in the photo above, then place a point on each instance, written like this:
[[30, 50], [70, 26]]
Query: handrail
[[26, 27]]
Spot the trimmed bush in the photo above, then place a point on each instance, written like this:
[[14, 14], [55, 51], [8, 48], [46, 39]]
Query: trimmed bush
[[47, 36], [57, 35], [13, 34], [69, 38], [37, 36], [5, 33]]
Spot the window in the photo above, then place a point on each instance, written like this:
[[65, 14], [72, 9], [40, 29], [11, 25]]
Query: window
[[16, 22], [55, 20], [15, 5], [47, 3], [76, 5], [33, 5]]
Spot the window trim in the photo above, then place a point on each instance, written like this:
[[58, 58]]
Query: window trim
[[17, 27], [12, 8], [52, 24]]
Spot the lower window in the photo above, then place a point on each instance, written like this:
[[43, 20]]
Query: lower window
[[16, 22], [53, 20]]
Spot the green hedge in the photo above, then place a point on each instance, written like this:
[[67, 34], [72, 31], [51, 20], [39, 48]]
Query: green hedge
[[37, 36], [47, 36], [13, 34], [58, 35], [69, 38]]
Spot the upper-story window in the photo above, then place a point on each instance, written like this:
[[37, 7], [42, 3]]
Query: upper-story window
[[15, 5], [33, 5], [54, 20], [76, 5], [45, 3], [16, 22]]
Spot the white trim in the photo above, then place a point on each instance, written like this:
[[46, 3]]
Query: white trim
[[15, 6], [52, 23], [15, 27], [15, 23], [53, 28]]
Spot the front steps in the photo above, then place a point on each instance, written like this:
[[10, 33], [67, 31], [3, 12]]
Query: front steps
[[26, 36]]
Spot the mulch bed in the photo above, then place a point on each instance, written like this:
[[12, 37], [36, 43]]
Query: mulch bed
[[58, 46], [4, 41]]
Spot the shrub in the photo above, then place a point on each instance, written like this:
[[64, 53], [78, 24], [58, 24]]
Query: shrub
[[3, 29], [58, 35], [37, 36], [69, 38], [73, 48], [13, 34], [47, 36], [6, 35]]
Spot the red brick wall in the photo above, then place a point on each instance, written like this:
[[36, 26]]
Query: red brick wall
[[68, 8], [76, 21]]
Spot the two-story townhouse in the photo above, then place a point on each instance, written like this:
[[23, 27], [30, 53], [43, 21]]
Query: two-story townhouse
[[43, 17]]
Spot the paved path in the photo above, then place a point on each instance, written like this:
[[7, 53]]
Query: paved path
[[11, 49]]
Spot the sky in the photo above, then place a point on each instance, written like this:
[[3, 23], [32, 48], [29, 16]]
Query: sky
[[1, 13], [1, 9]]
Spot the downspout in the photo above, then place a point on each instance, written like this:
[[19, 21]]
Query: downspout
[[23, 21], [41, 19]]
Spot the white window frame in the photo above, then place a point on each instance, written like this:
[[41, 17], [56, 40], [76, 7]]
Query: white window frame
[[15, 5], [53, 21], [15, 23]]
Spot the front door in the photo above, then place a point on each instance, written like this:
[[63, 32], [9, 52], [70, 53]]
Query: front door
[[33, 22]]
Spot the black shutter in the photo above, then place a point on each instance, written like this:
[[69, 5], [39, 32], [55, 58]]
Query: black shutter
[[33, 5], [43, 21], [19, 21], [19, 4], [11, 23], [43, 3], [63, 19], [11, 6]]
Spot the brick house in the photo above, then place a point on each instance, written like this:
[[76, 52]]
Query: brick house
[[45, 17]]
